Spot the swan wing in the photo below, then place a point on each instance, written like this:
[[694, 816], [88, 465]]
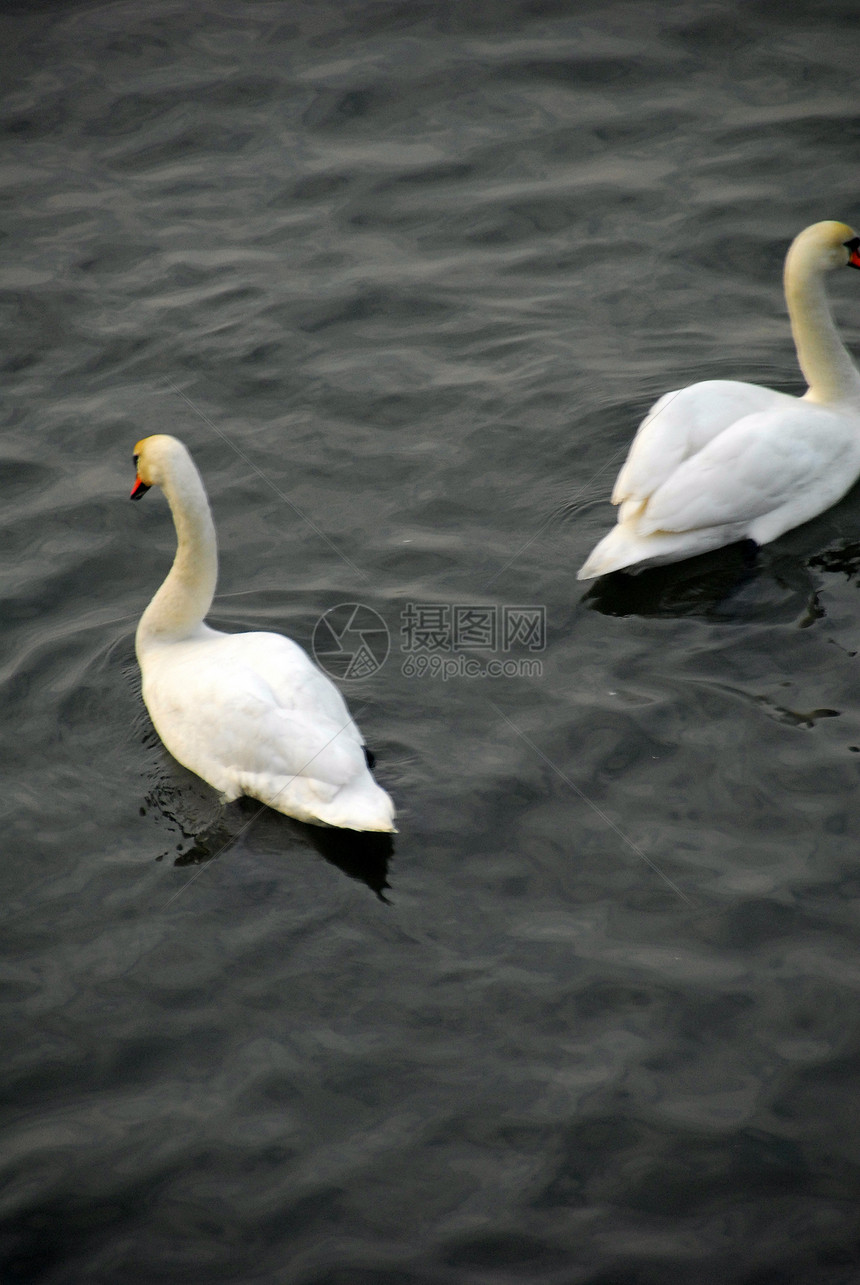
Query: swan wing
[[680, 424], [287, 746], [225, 722], [802, 459], [227, 725], [296, 683]]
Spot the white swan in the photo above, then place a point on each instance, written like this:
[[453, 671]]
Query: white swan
[[723, 461], [249, 713]]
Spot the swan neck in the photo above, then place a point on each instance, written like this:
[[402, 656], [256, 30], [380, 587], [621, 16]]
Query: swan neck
[[179, 606], [825, 361]]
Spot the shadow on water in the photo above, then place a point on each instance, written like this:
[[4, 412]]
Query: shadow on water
[[738, 584], [210, 829], [844, 561]]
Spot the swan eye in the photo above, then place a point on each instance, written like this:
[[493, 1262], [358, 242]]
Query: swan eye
[[134, 460], [853, 248]]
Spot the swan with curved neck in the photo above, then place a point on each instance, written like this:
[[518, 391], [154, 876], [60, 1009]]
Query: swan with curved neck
[[249, 713], [722, 461]]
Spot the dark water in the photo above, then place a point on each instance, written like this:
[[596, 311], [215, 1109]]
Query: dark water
[[404, 276]]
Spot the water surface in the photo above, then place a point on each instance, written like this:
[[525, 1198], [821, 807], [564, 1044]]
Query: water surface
[[405, 277]]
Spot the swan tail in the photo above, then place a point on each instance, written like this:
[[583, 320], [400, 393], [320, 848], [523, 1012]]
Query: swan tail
[[624, 549], [360, 804], [366, 807], [620, 549]]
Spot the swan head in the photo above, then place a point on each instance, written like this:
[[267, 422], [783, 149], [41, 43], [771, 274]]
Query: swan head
[[154, 460], [823, 247]]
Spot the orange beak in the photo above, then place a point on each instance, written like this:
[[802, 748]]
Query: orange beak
[[139, 489]]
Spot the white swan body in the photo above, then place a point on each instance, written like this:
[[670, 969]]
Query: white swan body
[[722, 461], [249, 713]]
